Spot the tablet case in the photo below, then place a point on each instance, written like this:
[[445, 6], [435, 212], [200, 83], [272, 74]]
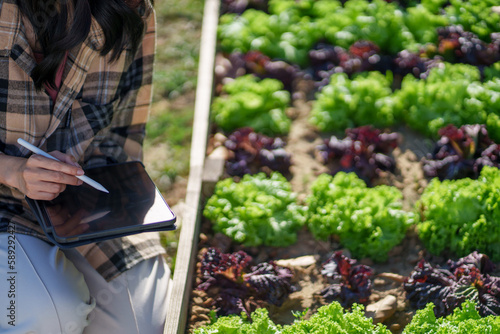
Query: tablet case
[[128, 183]]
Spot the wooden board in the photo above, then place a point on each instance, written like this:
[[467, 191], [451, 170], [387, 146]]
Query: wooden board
[[188, 241]]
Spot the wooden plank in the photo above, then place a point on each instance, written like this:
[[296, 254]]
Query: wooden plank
[[213, 170], [188, 241]]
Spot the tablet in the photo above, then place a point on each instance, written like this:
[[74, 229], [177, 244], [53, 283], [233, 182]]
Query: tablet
[[82, 214]]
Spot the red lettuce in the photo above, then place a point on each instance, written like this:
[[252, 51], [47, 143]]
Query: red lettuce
[[462, 152], [233, 282], [350, 283], [457, 45], [365, 151], [251, 152], [449, 286], [326, 59], [413, 63], [239, 6], [255, 62]]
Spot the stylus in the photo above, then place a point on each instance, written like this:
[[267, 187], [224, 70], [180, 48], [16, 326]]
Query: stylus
[[84, 178]]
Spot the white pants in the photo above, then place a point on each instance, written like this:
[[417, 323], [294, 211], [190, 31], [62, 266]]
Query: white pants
[[46, 290]]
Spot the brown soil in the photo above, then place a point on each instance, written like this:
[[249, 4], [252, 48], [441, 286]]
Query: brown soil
[[301, 143]]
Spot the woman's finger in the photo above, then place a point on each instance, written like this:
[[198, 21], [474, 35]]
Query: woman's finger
[[69, 159], [39, 161]]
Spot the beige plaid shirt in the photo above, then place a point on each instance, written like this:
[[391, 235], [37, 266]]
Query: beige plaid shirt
[[98, 117]]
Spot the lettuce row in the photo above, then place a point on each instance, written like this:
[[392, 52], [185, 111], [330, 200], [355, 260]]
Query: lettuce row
[[329, 319], [451, 94], [333, 319], [459, 216], [292, 27]]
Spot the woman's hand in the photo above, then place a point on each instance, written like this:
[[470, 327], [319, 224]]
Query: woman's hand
[[39, 177]]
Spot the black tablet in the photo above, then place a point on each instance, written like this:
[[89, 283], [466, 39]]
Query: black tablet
[[82, 214]]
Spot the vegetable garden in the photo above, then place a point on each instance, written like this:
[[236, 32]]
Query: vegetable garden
[[360, 190]]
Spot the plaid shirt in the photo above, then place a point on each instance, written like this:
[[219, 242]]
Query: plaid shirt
[[98, 117]]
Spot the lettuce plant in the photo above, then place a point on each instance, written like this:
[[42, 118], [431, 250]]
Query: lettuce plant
[[451, 94], [236, 281], [364, 150], [477, 16], [461, 216], [257, 210], [350, 282], [462, 152], [248, 101], [251, 152], [332, 319], [463, 320], [348, 103], [449, 286], [368, 221]]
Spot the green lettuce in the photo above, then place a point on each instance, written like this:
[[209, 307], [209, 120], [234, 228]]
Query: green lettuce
[[462, 215], [476, 16], [369, 221], [348, 103], [284, 35], [329, 319], [463, 320], [333, 319], [257, 210], [250, 102], [451, 94], [233, 324]]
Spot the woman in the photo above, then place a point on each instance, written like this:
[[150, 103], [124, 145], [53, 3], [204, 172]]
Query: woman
[[75, 80]]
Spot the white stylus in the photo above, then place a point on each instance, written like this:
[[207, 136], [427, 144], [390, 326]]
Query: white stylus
[[84, 178]]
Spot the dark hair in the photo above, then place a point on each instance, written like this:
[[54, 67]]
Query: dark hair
[[57, 30]]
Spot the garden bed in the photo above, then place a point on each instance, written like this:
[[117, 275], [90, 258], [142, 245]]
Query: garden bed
[[310, 252], [388, 302], [307, 254], [307, 272]]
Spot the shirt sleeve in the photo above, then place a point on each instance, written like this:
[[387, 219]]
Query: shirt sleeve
[[123, 140]]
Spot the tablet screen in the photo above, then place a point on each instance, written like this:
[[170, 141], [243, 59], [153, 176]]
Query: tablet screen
[[133, 203]]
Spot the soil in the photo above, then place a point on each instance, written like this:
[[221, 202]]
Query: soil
[[307, 255]]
